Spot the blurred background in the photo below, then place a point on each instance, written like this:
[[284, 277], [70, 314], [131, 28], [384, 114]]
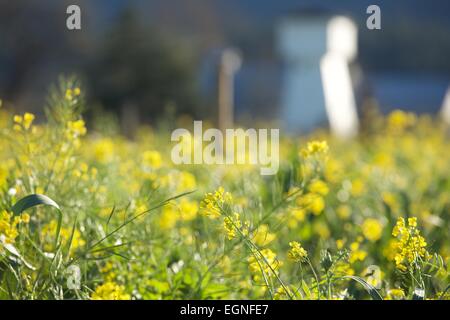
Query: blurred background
[[154, 59]]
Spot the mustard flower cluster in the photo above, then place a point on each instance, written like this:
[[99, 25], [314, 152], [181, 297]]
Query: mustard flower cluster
[[297, 253], [410, 245]]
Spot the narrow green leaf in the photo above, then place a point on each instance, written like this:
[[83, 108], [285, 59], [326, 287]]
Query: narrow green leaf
[[110, 215], [369, 288], [33, 200], [444, 292], [306, 290], [16, 256]]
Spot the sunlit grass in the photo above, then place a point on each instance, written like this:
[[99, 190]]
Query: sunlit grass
[[357, 219]]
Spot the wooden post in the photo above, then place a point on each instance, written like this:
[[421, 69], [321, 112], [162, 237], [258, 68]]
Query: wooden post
[[230, 62]]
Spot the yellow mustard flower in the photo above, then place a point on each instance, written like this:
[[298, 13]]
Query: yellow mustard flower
[[395, 294], [281, 294], [233, 224], [266, 264], [76, 129], [72, 93], [9, 223], [108, 271], [343, 268], [110, 291], [212, 204], [410, 245], [297, 253], [48, 234]]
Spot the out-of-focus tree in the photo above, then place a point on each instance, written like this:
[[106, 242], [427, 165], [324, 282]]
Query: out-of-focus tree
[[138, 69], [35, 47]]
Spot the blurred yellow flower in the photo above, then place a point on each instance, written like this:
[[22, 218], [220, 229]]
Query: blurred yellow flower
[[295, 216], [18, 119], [3, 175], [76, 129], [103, 150], [311, 202], [321, 229], [399, 120], [27, 120], [356, 254], [169, 217], [357, 187], [340, 244], [72, 93], [319, 187], [186, 181], [24, 121], [314, 148], [263, 262], [262, 236], [343, 212], [389, 249], [342, 268], [152, 159], [48, 235], [188, 209], [25, 217], [372, 229], [281, 294]]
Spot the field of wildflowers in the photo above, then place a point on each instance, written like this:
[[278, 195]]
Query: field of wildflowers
[[88, 215]]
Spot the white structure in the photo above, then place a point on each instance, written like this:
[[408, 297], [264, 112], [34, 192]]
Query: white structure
[[445, 110], [317, 50]]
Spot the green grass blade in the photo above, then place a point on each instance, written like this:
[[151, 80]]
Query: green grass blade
[[369, 288], [33, 200]]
